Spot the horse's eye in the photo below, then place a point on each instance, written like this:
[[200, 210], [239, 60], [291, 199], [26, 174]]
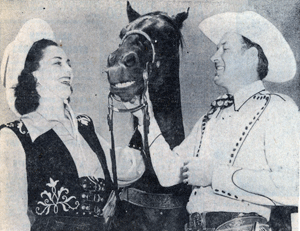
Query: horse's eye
[[130, 60]]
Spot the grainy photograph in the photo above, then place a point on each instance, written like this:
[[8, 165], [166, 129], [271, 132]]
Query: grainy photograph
[[159, 115]]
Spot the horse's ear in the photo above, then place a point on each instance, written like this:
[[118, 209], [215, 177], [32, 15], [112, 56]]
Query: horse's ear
[[179, 18], [131, 13]]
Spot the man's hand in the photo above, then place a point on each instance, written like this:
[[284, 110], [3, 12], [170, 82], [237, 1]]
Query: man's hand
[[198, 171]]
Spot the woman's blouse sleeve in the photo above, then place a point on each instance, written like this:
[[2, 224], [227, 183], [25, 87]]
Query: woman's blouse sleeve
[[130, 165], [13, 183]]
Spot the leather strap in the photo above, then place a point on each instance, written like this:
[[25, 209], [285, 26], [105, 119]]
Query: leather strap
[[151, 200], [221, 221]]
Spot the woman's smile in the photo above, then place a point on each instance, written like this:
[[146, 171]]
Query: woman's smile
[[65, 80]]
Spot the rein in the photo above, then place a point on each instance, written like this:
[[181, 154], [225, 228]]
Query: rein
[[143, 106]]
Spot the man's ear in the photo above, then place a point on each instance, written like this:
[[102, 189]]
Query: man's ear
[[252, 56], [252, 53]]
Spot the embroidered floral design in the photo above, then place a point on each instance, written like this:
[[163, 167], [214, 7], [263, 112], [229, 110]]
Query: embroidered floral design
[[19, 126], [85, 120], [56, 198]]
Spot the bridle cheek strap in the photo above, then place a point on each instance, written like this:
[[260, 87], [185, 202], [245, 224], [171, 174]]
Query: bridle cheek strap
[[143, 106]]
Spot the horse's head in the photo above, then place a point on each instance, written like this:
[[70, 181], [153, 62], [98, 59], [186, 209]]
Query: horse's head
[[150, 49], [147, 42]]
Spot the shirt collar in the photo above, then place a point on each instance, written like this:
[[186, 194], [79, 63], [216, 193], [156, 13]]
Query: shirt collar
[[40, 122], [37, 124], [241, 96]]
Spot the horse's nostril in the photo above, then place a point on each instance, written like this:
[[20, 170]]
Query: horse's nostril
[[111, 59], [130, 60]]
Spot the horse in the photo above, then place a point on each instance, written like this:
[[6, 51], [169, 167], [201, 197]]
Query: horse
[[150, 46]]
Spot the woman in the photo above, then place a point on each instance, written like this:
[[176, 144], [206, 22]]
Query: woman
[[56, 174]]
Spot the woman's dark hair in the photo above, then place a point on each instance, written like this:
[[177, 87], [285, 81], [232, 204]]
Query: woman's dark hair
[[27, 97], [262, 66]]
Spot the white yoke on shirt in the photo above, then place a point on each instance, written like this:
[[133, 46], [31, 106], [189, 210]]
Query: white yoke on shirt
[[255, 146], [13, 177]]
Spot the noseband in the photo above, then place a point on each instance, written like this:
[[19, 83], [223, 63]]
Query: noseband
[[143, 106]]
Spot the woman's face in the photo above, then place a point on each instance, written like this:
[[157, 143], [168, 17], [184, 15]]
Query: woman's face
[[54, 74]]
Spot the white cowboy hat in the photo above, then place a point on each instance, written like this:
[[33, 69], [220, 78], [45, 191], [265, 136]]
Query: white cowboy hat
[[282, 63], [16, 52]]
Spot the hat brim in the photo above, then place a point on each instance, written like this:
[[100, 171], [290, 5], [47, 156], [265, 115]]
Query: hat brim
[[282, 63]]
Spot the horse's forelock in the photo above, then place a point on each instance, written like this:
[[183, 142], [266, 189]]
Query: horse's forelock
[[145, 24]]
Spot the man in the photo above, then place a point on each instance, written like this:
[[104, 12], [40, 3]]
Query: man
[[242, 156]]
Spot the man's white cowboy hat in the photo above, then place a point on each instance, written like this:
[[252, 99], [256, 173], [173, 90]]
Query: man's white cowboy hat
[[16, 52], [282, 63]]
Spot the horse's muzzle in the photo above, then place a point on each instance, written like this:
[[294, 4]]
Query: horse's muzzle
[[127, 93]]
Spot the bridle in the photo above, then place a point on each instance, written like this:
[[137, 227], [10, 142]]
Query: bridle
[[143, 106], [145, 75]]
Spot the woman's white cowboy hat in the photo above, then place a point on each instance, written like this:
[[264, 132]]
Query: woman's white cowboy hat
[[16, 52], [282, 63]]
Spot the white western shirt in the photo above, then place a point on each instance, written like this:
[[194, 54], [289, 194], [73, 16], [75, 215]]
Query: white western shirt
[[255, 148]]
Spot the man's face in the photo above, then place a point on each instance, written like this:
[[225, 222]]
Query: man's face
[[229, 60]]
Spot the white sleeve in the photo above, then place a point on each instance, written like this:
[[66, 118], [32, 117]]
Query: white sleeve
[[168, 163], [130, 165], [13, 183]]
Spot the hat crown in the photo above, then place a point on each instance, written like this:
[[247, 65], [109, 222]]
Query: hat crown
[[35, 30], [282, 63]]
